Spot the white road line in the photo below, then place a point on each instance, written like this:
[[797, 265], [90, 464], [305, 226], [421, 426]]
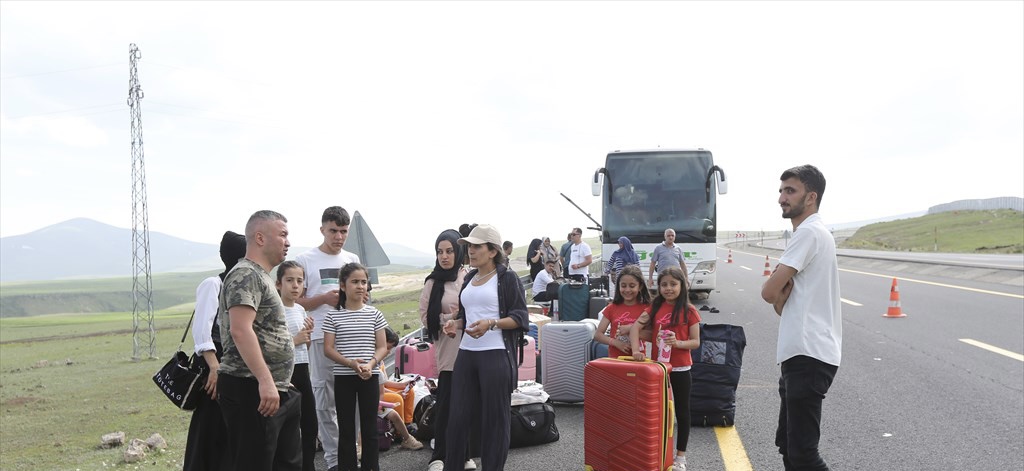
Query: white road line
[[847, 301], [985, 346], [944, 285], [745, 268]]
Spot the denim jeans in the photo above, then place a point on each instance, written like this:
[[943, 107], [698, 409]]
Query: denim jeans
[[802, 388]]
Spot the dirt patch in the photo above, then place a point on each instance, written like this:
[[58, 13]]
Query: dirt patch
[[22, 400]]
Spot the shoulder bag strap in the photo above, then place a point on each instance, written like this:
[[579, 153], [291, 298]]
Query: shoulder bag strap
[[185, 333]]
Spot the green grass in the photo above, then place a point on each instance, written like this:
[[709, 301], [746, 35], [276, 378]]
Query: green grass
[[999, 231]]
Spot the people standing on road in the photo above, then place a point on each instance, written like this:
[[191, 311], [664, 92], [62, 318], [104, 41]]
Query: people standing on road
[[205, 446], [261, 412], [632, 298], [804, 290], [668, 254], [579, 256], [551, 253], [493, 315], [439, 303], [677, 324], [354, 340], [619, 259], [321, 265], [535, 257], [563, 255], [290, 278]]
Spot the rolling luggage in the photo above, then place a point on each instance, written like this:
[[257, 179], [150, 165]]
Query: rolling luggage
[[598, 350], [573, 301], [597, 304], [716, 374], [416, 357], [628, 418], [528, 370], [566, 351]]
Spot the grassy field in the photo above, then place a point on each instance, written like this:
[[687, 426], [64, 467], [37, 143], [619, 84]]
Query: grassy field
[[1000, 231], [68, 379]]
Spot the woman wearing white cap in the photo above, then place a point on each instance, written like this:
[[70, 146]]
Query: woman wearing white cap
[[493, 311]]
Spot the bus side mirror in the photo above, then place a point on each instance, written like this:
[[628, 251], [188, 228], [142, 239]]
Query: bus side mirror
[[598, 183], [723, 187]]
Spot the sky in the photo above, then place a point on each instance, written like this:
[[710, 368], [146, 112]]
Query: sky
[[426, 115]]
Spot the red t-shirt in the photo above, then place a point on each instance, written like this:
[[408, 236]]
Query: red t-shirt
[[620, 315], [680, 356]]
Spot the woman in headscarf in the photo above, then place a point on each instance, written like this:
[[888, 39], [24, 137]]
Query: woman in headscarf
[[550, 253], [536, 258], [207, 435], [439, 303], [625, 255]]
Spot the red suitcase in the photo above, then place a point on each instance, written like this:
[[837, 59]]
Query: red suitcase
[[416, 357], [628, 416]]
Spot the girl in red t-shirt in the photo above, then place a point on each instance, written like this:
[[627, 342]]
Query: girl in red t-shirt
[[680, 322], [631, 300]]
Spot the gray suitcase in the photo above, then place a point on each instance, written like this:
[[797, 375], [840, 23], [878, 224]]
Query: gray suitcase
[[566, 351], [597, 304]]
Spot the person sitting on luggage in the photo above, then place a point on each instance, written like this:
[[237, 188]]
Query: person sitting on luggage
[[540, 284], [631, 300], [409, 442], [398, 392], [677, 323]]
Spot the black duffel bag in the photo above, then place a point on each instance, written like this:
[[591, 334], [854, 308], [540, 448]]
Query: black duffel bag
[[532, 424], [423, 416]]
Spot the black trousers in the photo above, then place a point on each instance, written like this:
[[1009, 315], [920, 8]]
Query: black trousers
[[255, 442], [205, 448], [481, 387], [443, 406], [682, 382], [307, 421], [351, 391], [802, 388]]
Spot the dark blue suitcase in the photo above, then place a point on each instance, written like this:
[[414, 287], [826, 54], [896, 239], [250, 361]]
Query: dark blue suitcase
[[716, 374], [573, 301], [598, 350]]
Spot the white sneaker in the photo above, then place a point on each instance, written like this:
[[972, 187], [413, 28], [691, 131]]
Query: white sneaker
[[470, 464], [679, 464], [436, 465]]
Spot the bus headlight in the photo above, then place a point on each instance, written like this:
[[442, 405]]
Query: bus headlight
[[707, 266]]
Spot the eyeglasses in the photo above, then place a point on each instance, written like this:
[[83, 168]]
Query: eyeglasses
[[577, 233]]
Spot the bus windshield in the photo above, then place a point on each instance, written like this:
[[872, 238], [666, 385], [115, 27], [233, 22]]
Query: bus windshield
[[654, 191]]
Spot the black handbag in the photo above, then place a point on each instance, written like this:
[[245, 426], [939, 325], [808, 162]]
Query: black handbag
[[182, 378], [532, 424]]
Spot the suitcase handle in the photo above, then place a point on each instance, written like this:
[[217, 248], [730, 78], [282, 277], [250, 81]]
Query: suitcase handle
[[630, 358]]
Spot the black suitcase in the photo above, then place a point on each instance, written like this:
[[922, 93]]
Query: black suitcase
[[597, 303], [716, 374]]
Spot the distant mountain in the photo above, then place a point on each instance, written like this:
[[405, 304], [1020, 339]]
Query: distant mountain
[[85, 248]]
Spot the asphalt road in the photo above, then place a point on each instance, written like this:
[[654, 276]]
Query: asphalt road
[[910, 395]]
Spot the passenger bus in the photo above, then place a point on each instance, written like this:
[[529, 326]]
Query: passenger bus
[[645, 192]]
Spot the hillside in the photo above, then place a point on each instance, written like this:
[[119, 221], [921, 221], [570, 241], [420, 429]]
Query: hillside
[[998, 231]]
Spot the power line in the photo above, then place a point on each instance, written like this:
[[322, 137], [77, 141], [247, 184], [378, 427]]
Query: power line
[[197, 69], [72, 110], [37, 74]]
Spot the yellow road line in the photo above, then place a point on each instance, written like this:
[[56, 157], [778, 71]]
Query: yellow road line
[[944, 285], [733, 454], [985, 346]]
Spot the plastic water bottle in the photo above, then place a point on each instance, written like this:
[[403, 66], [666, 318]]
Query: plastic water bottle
[[664, 349]]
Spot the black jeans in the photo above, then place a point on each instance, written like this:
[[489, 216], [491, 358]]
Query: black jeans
[[682, 382], [481, 389], [307, 422], [351, 391], [802, 388], [255, 442]]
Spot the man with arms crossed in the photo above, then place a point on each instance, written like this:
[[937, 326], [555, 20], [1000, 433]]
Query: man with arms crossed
[[804, 290], [260, 411], [666, 255], [322, 265]]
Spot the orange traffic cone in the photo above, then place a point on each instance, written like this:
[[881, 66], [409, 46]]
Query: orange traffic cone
[[894, 302], [730, 257], [767, 267]]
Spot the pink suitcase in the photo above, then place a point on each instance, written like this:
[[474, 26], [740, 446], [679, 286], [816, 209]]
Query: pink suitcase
[[416, 357], [528, 370]]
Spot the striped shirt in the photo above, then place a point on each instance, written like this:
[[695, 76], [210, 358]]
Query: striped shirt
[[354, 334]]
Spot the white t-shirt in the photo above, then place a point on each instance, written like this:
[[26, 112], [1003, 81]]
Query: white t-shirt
[[577, 256], [481, 303], [540, 283], [812, 320], [295, 316], [322, 276]]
